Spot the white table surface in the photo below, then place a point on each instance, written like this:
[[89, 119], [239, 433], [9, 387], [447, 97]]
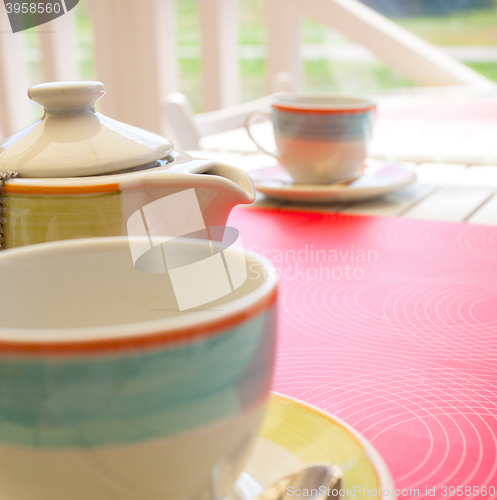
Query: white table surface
[[443, 191], [457, 184]]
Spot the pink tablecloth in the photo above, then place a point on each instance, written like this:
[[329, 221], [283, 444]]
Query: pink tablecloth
[[391, 324]]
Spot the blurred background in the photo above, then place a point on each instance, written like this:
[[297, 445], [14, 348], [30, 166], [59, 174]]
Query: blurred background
[[465, 29]]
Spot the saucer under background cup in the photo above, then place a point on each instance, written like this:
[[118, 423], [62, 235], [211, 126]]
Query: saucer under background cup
[[377, 179]]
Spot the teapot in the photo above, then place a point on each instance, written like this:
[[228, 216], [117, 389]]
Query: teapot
[[76, 173]]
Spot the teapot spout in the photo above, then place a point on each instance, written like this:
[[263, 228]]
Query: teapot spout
[[241, 183]]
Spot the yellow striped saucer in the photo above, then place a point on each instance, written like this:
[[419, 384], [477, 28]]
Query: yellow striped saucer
[[295, 434]]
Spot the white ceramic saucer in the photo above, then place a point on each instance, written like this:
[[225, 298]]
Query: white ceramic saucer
[[295, 434], [378, 178]]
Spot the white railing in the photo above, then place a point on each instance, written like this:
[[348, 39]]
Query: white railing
[[135, 53]]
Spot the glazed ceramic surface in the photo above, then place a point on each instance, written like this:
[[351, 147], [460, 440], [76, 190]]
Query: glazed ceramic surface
[[377, 179], [322, 138], [44, 210], [82, 174], [73, 139], [295, 434], [109, 392]]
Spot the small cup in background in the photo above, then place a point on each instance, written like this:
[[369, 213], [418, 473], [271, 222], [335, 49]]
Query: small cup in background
[[320, 138]]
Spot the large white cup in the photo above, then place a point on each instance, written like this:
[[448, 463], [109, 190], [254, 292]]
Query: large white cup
[[109, 392]]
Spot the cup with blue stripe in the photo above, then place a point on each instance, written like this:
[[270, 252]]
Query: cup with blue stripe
[[320, 138], [109, 392]]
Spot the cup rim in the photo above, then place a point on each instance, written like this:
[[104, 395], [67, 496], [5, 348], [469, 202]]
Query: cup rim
[[288, 101], [186, 327]]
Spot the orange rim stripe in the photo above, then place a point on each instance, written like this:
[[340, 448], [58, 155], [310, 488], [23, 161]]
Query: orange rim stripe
[[17, 188], [137, 342], [324, 111]]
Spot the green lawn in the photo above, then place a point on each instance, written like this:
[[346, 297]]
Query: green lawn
[[468, 28], [477, 27], [488, 69]]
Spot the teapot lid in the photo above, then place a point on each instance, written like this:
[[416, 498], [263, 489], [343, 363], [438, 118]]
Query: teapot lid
[[72, 139]]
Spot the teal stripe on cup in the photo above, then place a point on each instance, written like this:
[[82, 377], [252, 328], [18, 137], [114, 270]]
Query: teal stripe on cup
[[116, 399], [324, 126]]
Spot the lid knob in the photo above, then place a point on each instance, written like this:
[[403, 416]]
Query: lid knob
[[73, 140], [63, 97]]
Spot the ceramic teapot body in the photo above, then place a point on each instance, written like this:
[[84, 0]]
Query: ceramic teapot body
[[42, 209]]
